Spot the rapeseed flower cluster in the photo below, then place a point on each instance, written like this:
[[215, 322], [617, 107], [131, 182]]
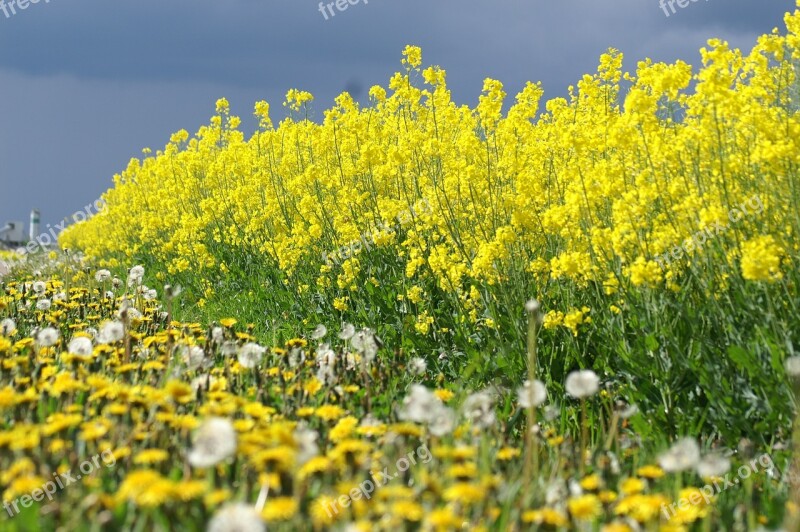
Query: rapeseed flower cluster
[[587, 190]]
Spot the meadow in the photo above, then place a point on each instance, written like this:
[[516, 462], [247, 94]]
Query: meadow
[[580, 314]]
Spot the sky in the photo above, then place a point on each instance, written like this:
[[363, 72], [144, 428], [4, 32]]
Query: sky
[[85, 85]]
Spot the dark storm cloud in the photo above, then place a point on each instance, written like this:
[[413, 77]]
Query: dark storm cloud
[[85, 84]]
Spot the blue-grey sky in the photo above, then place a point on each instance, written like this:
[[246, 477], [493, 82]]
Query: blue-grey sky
[[86, 84]]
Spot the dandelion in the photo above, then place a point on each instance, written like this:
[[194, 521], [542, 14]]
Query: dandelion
[[533, 306], [214, 442], [326, 375], [417, 366], [8, 327], [347, 332], [713, 466], [366, 344], [193, 356], [101, 276], [531, 395], [236, 517], [319, 332], [793, 366], [306, 441], [111, 332], [250, 355], [442, 421], [39, 287], [582, 384], [683, 455], [149, 294], [418, 405], [43, 305], [127, 312], [326, 357], [296, 357], [584, 507], [479, 409], [135, 276], [229, 348], [81, 346], [47, 337]]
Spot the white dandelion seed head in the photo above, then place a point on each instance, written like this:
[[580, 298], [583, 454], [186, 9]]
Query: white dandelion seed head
[[214, 442], [419, 404], [192, 356], [347, 331], [44, 304], [365, 343], [111, 332], [8, 327], [531, 395], [101, 276], [61, 296], [40, 287], [551, 412], [250, 355], [203, 382], [628, 411], [713, 465], [130, 313], [582, 383], [80, 345], [47, 337], [326, 357], [683, 455], [319, 332], [150, 295], [532, 306], [417, 366], [229, 348], [479, 409], [556, 492], [793, 366], [135, 275], [326, 375], [442, 421], [296, 357], [306, 440], [236, 517], [218, 335]]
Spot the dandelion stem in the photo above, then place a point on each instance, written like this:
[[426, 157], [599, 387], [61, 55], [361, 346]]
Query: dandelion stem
[[584, 436], [531, 470]]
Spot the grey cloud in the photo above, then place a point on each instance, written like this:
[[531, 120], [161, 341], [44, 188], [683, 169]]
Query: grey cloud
[[85, 84]]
